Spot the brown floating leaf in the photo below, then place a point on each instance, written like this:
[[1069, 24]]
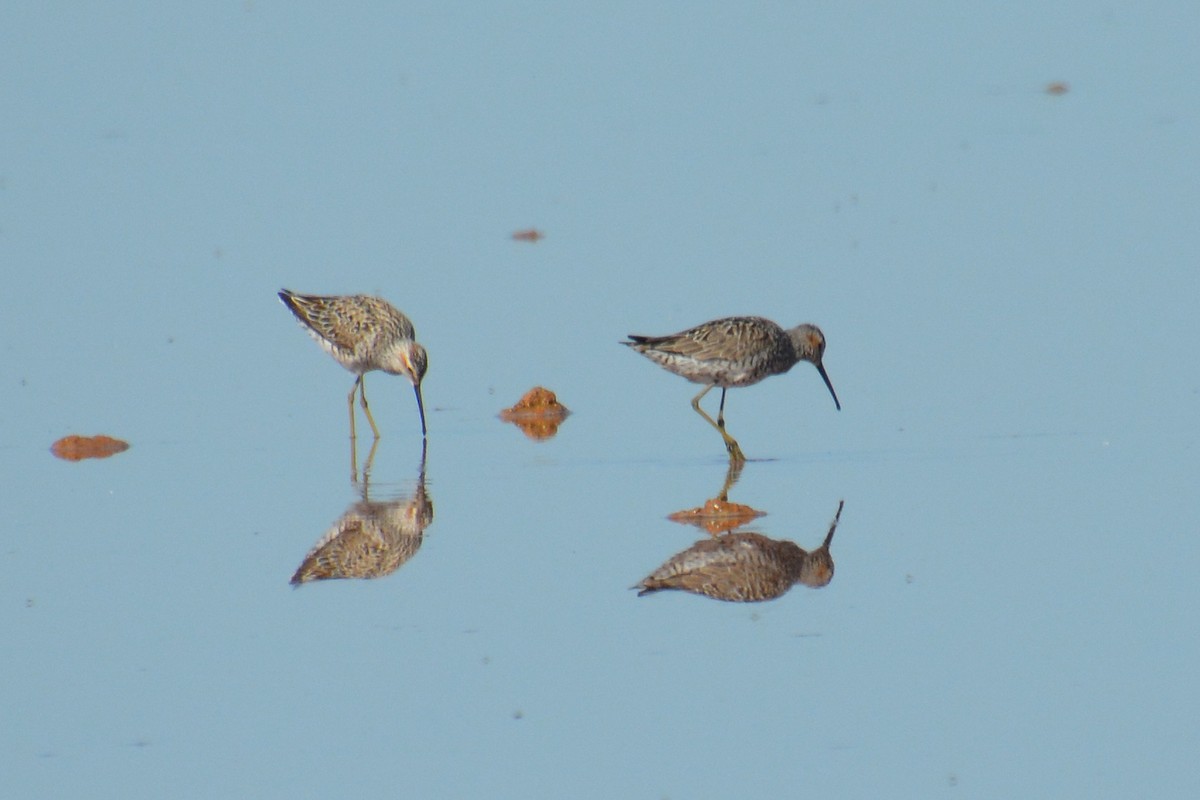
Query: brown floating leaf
[[1057, 87], [717, 515], [528, 235], [538, 400], [538, 414], [77, 448]]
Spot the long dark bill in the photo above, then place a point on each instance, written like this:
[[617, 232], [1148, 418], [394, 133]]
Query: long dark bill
[[421, 406], [825, 377]]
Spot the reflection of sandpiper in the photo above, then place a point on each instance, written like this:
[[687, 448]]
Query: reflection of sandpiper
[[744, 567], [364, 334], [372, 539], [731, 352]]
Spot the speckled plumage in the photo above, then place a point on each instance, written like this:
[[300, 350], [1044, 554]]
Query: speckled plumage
[[733, 352], [744, 567], [363, 334], [370, 540]]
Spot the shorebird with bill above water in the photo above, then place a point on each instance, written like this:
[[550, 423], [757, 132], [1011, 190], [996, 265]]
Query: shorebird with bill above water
[[744, 567], [732, 352], [363, 334]]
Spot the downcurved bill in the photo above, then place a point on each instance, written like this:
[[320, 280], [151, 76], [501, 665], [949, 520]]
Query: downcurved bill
[[825, 377], [421, 406]]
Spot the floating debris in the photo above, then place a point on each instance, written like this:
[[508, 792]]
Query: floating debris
[[77, 448], [528, 235], [1057, 88], [717, 515], [538, 413]]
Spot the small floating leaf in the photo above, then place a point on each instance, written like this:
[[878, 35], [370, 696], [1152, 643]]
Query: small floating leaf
[[77, 448]]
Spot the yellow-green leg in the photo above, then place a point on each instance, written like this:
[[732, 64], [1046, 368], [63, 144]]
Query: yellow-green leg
[[350, 402], [731, 445], [361, 388]]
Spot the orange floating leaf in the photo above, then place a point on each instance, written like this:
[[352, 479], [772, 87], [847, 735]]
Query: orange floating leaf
[[528, 235], [77, 448], [1057, 88], [717, 515], [538, 400], [538, 413]]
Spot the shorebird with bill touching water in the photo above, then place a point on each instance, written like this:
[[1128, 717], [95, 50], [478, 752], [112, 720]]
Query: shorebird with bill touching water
[[744, 567], [732, 352], [363, 334]]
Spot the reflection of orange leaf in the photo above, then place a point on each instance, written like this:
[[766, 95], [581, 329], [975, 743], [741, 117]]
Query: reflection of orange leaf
[[717, 515], [1057, 87], [77, 448], [528, 235], [538, 414], [538, 429]]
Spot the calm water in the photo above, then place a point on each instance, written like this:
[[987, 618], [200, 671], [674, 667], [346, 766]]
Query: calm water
[[1006, 278]]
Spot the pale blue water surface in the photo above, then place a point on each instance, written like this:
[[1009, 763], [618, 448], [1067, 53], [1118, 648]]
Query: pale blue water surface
[[1007, 279]]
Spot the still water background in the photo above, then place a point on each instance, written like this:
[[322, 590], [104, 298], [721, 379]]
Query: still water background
[[1007, 279]]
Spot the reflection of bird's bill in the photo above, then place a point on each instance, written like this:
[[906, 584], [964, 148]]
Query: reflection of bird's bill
[[421, 406], [825, 377], [833, 526]]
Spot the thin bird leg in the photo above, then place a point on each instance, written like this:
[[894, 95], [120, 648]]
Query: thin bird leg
[[736, 456], [363, 395], [353, 434], [721, 411], [696, 400], [350, 400], [731, 445]]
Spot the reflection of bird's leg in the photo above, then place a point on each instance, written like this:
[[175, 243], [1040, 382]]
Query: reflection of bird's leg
[[731, 445], [363, 395], [366, 472], [731, 477]]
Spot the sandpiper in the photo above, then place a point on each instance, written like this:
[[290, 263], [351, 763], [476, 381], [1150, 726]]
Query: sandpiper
[[734, 351], [363, 333]]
